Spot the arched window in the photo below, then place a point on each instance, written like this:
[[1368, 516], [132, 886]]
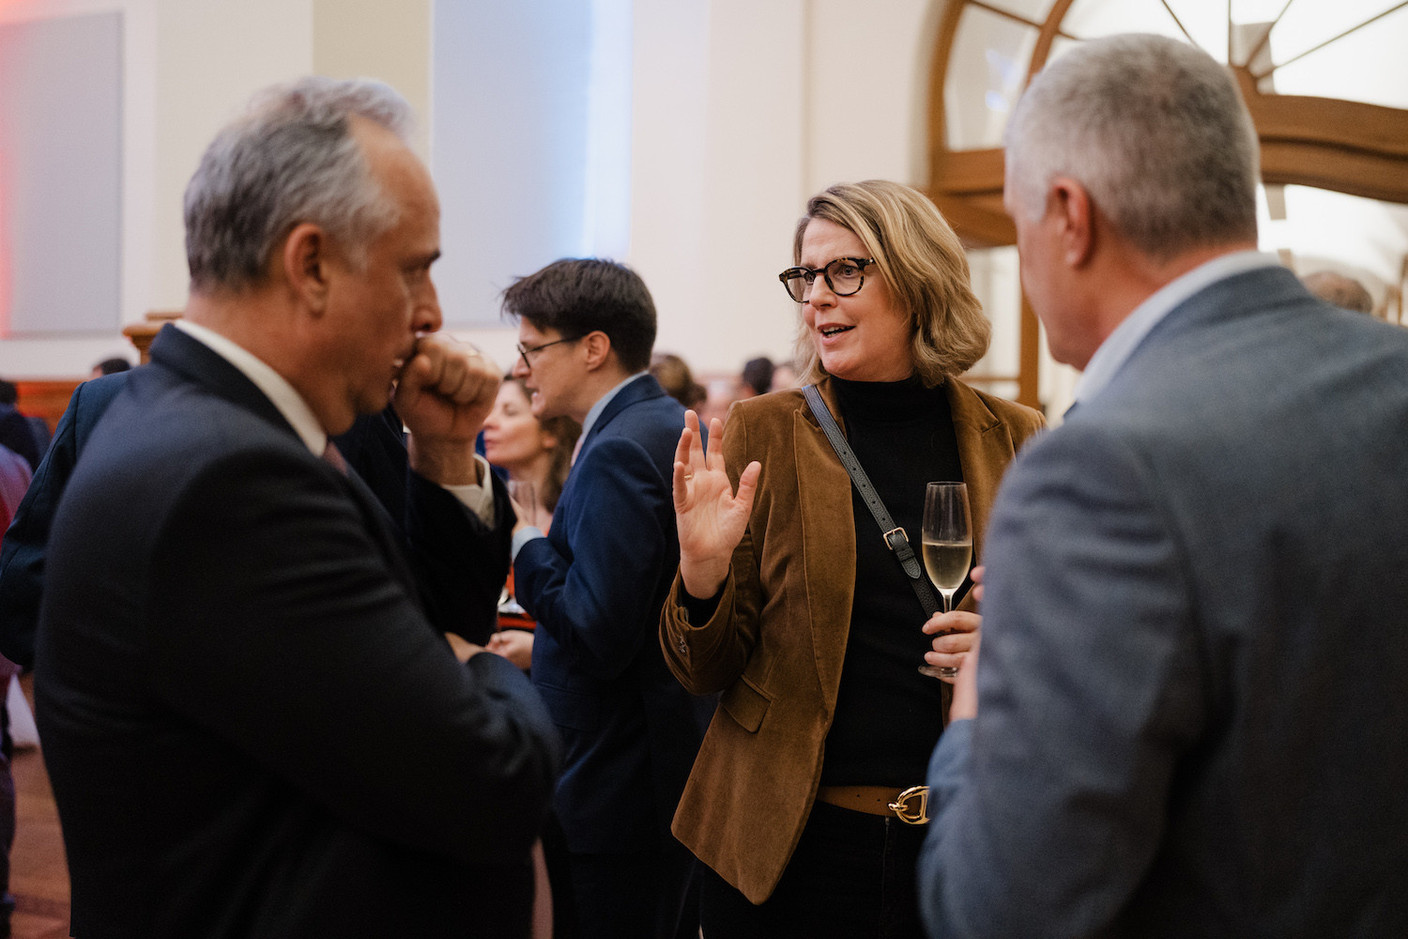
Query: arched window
[[1326, 82]]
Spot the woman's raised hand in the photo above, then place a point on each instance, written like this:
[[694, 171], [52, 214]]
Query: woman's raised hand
[[710, 516]]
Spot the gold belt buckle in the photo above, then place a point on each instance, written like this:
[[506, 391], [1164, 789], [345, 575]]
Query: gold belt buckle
[[907, 815]]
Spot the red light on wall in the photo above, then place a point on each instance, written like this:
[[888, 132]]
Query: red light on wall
[[5, 284]]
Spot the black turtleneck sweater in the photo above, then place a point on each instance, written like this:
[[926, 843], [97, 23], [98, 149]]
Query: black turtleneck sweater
[[888, 715]]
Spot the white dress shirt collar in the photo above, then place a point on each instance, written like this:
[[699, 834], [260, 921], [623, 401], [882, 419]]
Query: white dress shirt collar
[[1120, 344], [275, 387]]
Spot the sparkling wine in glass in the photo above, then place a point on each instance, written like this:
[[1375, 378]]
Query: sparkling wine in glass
[[524, 497], [947, 547]]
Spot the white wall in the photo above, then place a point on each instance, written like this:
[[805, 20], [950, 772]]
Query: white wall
[[717, 173], [743, 111], [740, 111], [187, 66], [210, 57]]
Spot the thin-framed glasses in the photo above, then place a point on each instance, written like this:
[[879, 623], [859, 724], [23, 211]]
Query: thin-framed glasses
[[844, 276], [525, 351]]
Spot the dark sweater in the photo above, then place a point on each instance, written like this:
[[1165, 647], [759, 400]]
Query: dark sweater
[[888, 715]]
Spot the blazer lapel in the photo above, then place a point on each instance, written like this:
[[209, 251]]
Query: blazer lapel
[[640, 389], [197, 363], [200, 365], [828, 537], [981, 446]]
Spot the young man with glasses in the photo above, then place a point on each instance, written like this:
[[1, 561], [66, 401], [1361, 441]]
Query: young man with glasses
[[595, 583]]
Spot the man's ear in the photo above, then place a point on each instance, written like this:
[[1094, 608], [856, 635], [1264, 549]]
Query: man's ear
[[304, 265], [598, 348], [1075, 218]]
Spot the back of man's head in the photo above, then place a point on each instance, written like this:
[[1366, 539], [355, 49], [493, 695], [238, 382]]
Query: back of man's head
[[291, 158], [577, 296], [1156, 133], [111, 366], [757, 374]]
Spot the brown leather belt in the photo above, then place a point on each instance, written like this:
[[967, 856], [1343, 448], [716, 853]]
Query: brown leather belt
[[908, 805]]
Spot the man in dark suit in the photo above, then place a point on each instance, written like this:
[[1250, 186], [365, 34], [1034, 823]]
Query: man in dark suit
[[26, 540], [252, 723], [595, 584], [27, 436], [375, 448], [1189, 704]]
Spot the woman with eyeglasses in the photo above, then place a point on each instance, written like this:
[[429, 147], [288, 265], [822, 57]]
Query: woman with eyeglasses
[[806, 801]]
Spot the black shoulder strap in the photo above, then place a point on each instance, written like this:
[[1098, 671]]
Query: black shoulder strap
[[895, 538]]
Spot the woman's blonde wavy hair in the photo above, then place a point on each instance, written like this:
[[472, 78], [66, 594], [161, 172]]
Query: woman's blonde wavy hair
[[922, 261]]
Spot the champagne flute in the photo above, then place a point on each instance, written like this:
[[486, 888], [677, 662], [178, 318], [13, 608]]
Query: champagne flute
[[524, 497], [947, 536]]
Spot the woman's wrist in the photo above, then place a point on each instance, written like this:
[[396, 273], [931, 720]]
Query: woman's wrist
[[702, 581]]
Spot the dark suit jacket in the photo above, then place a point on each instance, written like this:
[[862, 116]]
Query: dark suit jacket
[[595, 585], [23, 550], [777, 641], [251, 726], [460, 562], [1195, 645], [17, 433]]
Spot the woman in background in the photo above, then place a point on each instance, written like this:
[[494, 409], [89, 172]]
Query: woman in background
[[536, 455], [677, 378]]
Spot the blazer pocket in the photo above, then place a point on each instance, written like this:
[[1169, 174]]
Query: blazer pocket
[[570, 708], [746, 704]]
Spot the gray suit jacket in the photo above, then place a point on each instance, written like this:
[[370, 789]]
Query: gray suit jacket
[[1192, 716]]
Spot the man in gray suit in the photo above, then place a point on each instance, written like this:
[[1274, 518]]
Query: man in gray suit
[[1195, 646]]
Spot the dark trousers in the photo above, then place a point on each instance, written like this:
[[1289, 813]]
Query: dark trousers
[[635, 895], [851, 877]]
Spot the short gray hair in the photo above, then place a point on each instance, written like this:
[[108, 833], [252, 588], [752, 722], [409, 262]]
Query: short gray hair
[[1156, 132], [289, 159]]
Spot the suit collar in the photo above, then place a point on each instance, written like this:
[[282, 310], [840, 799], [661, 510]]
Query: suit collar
[[274, 386], [594, 412], [1121, 344], [638, 388], [200, 365]]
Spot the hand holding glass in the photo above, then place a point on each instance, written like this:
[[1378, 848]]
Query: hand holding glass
[[947, 535], [524, 497], [525, 500]]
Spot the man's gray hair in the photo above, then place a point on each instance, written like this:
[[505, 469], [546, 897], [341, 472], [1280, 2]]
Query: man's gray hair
[[1155, 131], [289, 159]]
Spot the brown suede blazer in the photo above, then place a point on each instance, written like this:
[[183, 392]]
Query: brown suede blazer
[[775, 645]]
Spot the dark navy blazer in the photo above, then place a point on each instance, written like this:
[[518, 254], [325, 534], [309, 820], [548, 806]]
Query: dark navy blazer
[[596, 584]]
